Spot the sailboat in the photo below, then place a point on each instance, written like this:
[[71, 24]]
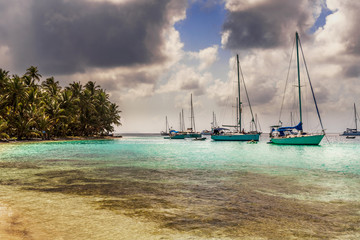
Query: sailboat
[[173, 134], [165, 133], [191, 132], [213, 126], [352, 131], [223, 134], [294, 135]]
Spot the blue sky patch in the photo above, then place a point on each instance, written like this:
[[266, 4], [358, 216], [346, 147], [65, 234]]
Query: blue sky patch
[[321, 20], [202, 26]]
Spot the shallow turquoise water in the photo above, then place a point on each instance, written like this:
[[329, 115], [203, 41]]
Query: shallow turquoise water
[[202, 188], [339, 154]]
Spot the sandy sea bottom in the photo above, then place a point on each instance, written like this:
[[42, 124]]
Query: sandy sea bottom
[[85, 197]]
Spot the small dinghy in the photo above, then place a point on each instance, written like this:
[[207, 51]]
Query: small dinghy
[[200, 139]]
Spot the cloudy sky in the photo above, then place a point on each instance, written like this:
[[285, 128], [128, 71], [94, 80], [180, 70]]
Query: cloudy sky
[[150, 55]]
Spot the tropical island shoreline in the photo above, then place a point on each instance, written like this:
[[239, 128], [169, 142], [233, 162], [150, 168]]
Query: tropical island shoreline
[[35, 109], [60, 139]]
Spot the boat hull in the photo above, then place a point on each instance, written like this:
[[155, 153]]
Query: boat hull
[[178, 136], [206, 133], [193, 135], [200, 139], [350, 134], [299, 140], [236, 137]]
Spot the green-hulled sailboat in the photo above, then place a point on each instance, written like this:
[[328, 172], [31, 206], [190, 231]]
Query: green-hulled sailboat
[[222, 134], [181, 134], [295, 135], [191, 132]]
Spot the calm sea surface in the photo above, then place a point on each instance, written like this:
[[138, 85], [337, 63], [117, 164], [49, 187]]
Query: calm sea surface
[[147, 187]]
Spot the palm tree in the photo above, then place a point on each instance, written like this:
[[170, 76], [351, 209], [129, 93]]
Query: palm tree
[[91, 87], [87, 108], [3, 127], [4, 78], [29, 82], [44, 126], [15, 91], [33, 73], [76, 89], [113, 117], [51, 87]]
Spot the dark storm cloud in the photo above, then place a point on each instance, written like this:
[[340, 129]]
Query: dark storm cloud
[[353, 71], [266, 25], [64, 37], [322, 94], [352, 40], [136, 78], [191, 84]]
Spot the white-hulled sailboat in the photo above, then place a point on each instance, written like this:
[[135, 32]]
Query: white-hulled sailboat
[[294, 135], [352, 131], [222, 134], [213, 126], [166, 132]]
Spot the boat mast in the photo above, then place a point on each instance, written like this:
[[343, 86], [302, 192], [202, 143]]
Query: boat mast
[[257, 123], [213, 121], [166, 125], [192, 118], [237, 114], [183, 121], [256, 120], [239, 100], [355, 117], [298, 68], [216, 125]]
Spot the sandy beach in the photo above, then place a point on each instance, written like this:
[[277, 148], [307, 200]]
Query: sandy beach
[[29, 215], [9, 225]]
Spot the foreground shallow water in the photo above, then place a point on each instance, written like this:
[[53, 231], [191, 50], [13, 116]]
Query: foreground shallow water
[[144, 187]]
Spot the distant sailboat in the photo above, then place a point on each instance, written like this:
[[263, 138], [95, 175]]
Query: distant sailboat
[[165, 133], [352, 131], [223, 134], [178, 134], [191, 132], [295, 135], [214, 123], [213, 126]]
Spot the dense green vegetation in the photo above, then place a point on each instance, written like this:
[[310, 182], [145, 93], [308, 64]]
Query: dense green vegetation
[[29, 109]]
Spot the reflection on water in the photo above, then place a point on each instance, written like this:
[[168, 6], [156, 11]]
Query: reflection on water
[[184, 190]]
